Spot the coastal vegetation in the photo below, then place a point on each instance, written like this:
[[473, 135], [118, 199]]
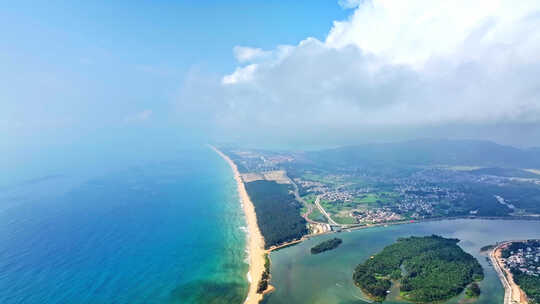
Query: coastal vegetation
[[316, 215], [265, 278], [529, 284], [428, 269], [326, 245], [487, 248], [473, 291], [522, 260], [278, 212]]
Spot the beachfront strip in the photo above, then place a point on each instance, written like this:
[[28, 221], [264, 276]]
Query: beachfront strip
[[258, 266], [517, 264]]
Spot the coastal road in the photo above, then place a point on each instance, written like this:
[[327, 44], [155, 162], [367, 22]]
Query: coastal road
[[330, 220], [301, 200], [512, 293], [317, 227], [500, 274]]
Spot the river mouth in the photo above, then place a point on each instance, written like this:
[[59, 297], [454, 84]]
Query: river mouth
[[300, 277]]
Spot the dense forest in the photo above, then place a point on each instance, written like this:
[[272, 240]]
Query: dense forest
[[278, 213], [429, 269], [326, 245], [530, 285]]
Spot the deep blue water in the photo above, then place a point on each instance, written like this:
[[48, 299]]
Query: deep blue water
[[153, 231]]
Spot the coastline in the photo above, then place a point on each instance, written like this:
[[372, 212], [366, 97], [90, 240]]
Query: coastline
[[512, 292], [255, 241]]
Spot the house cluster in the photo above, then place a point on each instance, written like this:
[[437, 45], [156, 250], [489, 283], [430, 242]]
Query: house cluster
[[377, 215], [420, 199], [332, 196], [419, 207], [311, 186], [527, 260]]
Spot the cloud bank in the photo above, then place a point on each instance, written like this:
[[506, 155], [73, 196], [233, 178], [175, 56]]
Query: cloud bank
[[391, 64]]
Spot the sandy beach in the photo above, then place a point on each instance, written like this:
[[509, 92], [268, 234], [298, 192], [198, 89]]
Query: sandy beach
[[255, 243], [512, 292]]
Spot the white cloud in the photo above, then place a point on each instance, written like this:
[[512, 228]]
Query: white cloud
[[138, 117], [412, 32], [247, 54], [241, 74], [392, 63]]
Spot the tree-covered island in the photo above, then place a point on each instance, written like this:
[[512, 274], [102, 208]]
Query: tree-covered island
[[427, 269], [326, 245]]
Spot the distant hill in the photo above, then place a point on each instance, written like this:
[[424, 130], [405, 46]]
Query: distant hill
[[505, 172], [431, 152]]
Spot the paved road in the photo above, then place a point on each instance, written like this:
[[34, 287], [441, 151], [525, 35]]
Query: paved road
[[330, 220], [301, 200], [509, 296], [502, 277]]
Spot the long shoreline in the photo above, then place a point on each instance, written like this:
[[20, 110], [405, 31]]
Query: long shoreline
[[512, 292], [255, 241]]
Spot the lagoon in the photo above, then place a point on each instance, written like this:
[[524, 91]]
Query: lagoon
[[300, 277]]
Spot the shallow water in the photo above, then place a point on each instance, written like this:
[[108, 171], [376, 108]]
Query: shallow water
[[161, 231], [300, 277]]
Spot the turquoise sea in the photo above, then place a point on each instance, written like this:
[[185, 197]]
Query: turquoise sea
[[163, 228]]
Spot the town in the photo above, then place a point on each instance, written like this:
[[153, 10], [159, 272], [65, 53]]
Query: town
[[524, 257], [371, 194]]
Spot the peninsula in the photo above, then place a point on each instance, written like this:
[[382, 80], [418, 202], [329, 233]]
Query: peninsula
[[516, 264]]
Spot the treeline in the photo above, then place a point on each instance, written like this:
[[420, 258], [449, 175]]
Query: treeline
[[265, 278], [529, 284], [473, 291], [278, 212], [326, 245], [429, 269]]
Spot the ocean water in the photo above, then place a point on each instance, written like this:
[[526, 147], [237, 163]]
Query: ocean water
[[302, 278], [153, 230]]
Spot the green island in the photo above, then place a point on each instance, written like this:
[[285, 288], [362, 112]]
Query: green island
[[326, 245], [426, 269]]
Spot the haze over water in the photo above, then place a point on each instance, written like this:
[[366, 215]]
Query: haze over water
[[157, 228]]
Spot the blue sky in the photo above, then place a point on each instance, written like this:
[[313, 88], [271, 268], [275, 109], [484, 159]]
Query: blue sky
[[307, 70], [84, 63], [98, 80]]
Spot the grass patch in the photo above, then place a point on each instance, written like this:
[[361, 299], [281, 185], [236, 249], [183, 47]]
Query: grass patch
[[369, 198], [317, 216], [345, 220]]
